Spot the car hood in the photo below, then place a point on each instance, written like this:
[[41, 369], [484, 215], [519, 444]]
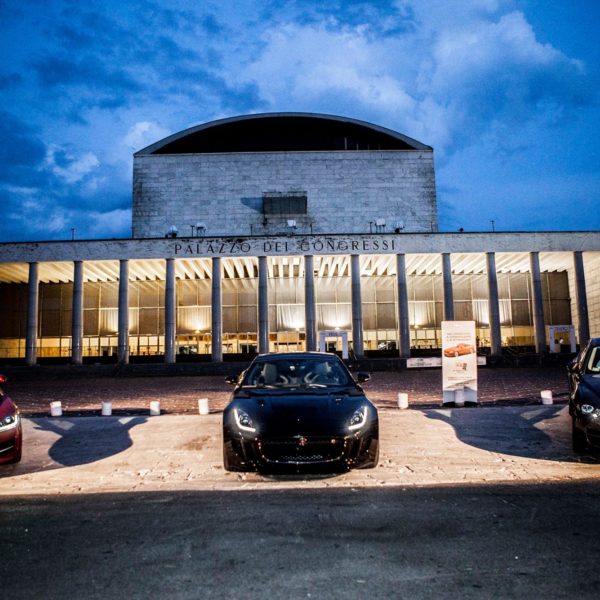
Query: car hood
[[301, 412]]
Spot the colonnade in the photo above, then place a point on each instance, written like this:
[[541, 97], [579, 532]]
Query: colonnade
[[309, 304]]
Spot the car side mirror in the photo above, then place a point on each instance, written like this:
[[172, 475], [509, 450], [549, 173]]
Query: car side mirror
[[232, 379], [362, 377]]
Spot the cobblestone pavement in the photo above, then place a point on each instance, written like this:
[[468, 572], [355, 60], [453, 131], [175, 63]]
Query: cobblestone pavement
[[180, 394]]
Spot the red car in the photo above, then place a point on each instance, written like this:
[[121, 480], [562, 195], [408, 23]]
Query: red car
[[11, 432], [459, 350]]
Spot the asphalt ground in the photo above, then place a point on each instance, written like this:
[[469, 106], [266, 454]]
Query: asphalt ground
[[530, 541], [179, 395]]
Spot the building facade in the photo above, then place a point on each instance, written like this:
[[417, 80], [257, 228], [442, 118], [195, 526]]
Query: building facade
[[291, 232], [280, 173]]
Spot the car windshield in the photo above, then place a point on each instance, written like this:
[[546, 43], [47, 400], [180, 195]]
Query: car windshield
[[301, 372], [593, 362]]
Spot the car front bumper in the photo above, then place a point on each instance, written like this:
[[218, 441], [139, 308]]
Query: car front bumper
[[10, 444], [589, 424], [305, 453]]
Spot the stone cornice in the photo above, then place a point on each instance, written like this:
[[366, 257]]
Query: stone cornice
[[298, 245]]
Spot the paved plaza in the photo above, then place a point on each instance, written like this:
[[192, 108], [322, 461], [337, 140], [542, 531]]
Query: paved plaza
[[82, 390], [511, 437]]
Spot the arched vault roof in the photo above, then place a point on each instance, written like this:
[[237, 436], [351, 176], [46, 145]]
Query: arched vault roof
[[283, 132]]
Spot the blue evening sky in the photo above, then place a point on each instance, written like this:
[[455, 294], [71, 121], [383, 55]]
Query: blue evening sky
[[506, 91]]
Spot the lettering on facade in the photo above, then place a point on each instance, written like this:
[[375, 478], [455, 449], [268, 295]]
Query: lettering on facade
[[313, 245]]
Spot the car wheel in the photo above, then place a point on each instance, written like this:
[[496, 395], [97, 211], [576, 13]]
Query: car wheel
[[579, 441], [231, 461], [373, 460]]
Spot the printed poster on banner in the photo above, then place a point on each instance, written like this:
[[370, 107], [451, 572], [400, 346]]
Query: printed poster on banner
[[459, 363]]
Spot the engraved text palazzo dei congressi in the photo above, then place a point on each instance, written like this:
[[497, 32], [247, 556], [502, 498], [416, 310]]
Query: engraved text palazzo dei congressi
[[279, 246]]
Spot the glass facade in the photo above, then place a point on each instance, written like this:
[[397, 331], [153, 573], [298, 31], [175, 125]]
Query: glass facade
[[286, 310]]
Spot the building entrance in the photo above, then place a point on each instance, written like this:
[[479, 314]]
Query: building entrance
[[329, 341]]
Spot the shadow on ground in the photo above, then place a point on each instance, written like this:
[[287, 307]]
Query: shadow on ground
[[84, 441], [523, 433]]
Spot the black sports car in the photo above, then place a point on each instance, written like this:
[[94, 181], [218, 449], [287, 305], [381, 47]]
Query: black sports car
[[299, 411], [584, 397]]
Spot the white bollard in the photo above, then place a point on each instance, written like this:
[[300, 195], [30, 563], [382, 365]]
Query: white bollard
[[56, 409], [203, 407], [402, 400], [154, 408], [546, 396], [106, 409]]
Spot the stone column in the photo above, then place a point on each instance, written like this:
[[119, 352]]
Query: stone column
[[493, 306], [123, 314], [170, 312], [357, 322], [539, 325], [31, 337], [77, 314], [448, 295], [263, 305], [581, 299], [217, 317], [403, 318], [309, 304]]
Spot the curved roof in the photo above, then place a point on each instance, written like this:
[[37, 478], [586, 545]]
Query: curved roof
[[283, 132]]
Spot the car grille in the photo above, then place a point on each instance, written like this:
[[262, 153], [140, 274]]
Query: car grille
[[302, 450]]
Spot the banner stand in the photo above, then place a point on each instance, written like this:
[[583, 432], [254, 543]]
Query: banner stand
[[459, 364]]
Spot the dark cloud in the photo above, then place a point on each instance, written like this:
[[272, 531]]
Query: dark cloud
[[105, 199], [11, 80], [381, 19], [40, 185], [11, 226], [21, 152], [112, 65], [51, 212], [74, 38], [212, 25], [85, 71], [157, 17]]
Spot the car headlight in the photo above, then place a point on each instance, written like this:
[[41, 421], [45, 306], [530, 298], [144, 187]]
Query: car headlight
[[358, 419], [587, 409], [243, 420], [9, 422]]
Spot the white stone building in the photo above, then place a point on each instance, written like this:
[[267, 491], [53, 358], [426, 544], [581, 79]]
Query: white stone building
[[251, 175], [291, 231]]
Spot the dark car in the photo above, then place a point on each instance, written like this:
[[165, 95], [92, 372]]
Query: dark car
[[584, 397], [11, 433], [300, 411]]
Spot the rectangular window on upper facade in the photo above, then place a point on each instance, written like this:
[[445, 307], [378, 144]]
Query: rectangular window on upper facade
[[285, 203]]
